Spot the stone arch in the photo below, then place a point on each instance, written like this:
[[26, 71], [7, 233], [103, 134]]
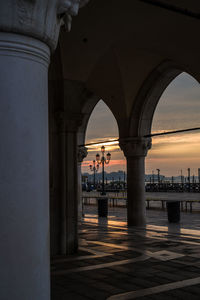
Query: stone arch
[[86, 112], [136, 146], [144, 106], [149, 96]]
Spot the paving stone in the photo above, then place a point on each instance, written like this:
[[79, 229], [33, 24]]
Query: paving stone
[[125, 285], [161, 296], [108, 287], [99, 274], [193, 290], [160, 280], [141, 282], [101, 283], [91, 292], [146, 298], [182, 294], [171, 276], [192, 269], [62, 296]]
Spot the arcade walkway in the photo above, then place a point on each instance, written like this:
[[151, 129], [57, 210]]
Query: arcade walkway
[[159, 262]]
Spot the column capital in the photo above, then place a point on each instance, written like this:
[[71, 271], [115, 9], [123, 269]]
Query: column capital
[[135, 146], [82, 153], [38, 19]]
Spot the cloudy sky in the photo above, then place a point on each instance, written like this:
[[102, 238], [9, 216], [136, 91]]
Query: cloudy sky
[[178, 108]]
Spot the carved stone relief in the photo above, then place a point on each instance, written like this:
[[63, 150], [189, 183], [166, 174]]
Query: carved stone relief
[[82, 153], [24, 11], [38, 18]]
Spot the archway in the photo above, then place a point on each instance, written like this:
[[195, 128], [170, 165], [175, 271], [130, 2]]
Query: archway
[[173, 162], [140, 130], [149, 96], [102, 128], [178, 108]]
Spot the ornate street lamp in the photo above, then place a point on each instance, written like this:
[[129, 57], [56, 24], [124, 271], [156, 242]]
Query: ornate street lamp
[[103, 160], [94, 168]]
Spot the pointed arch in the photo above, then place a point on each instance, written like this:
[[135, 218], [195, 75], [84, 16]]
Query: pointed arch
[[148, 97], [105, 122], [87, 110]]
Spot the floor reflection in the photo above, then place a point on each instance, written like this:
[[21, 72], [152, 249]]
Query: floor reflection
[[157, 223]]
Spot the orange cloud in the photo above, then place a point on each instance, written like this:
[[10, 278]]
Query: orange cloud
[[115, 162]]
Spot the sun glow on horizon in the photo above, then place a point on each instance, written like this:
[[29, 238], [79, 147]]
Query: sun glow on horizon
[[109, 143]]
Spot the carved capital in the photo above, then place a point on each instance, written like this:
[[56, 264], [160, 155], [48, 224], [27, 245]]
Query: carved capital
[[38, 19], [82, 153], [135, 147]]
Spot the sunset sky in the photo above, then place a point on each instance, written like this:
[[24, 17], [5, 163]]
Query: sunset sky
[[178, 108]]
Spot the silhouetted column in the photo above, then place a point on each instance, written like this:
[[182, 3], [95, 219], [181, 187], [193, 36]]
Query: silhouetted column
[[135, 151], [70, 203], [65, 188], [57, 182], [82, 153]]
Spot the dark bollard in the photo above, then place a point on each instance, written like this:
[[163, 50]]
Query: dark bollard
[[103, 207], [173, 211]]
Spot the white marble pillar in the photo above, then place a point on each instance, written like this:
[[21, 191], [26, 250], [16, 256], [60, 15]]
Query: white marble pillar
[[28, 30], [135, 151], [24, 184], [82, 153]]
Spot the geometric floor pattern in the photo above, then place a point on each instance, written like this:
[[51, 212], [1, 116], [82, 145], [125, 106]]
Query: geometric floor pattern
[[160, 261]]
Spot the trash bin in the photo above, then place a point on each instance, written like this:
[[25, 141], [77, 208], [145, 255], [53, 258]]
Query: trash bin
[[103, 207], [173, 211]]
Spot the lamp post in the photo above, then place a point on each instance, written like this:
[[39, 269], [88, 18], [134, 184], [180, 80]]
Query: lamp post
[[189, 179], [153, 178], [182, 180], [103, 160], [158, 179], [94, 168]]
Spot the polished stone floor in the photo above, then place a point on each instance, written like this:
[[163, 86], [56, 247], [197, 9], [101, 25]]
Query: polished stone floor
[[161, 261]]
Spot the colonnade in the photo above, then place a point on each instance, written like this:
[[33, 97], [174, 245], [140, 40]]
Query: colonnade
[[29, 34]]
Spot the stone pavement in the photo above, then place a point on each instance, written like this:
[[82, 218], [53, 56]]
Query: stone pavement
[[161, 261]]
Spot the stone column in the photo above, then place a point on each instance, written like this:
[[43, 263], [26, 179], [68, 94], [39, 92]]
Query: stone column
[[64, 235], [24, 179], [135, 151], [82, 153], [28, 31], [70, 202]]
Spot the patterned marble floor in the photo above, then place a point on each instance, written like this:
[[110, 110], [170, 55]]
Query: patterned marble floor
[[161, 261]]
